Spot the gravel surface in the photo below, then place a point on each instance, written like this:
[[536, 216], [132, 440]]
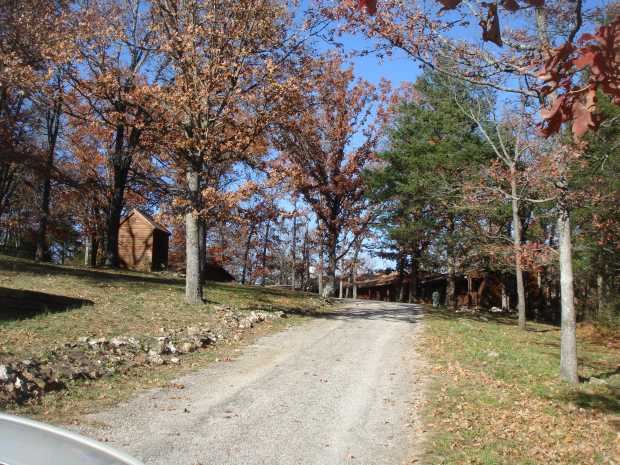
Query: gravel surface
[[340, 389]]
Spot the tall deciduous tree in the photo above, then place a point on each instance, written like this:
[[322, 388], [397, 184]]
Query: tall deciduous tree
[[110, 89], [323, 159], [225, 74]]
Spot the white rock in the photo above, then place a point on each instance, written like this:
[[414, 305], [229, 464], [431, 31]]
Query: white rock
[[155, 358], [4, 373], [118, 341]]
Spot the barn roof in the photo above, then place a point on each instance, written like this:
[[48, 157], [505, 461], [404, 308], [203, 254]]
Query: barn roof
[[148, 218]]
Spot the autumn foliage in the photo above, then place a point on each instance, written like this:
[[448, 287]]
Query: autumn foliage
[[570, 75]]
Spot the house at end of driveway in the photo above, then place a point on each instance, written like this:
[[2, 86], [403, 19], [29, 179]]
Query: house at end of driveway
[[142, 242]]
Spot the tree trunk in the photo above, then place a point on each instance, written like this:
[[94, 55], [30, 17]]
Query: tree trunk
[[264, 257], [341, 288], [505, 299], [87, 252], [413, 278], [568, 340], [354, 272], [401, 276], [94, 250], [320, 269], [247, 252], [600, 295], [193, 283], [330, 288], [305, 275], [451, 285], [293, 253], [516, 236], [53, 126], [119, 164]]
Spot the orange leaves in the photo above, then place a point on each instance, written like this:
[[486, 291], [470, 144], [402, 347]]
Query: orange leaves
[[315, 142]]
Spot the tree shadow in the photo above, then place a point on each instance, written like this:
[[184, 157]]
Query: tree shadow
[[364, 310], [602, 402], [23, 266], [18, 304]]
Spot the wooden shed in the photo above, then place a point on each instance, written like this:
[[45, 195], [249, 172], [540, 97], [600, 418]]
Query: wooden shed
[[142, 242]]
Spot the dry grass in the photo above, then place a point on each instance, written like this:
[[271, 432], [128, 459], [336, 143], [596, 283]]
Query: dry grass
[[46, 305], [50, 304], [496, 397]]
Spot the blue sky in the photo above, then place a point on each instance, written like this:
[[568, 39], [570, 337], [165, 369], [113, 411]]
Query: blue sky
[[400, 68]]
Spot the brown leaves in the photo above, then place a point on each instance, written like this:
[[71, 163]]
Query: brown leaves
[[449, 4], [369, 5], [510, 5], [490, 26], [577, 103], [478, 412]]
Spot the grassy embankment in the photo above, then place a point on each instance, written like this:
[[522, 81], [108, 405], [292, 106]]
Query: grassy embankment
[[44, 305], [495, 396]]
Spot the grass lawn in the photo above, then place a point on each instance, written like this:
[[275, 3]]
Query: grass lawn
[[44, 305], [495, 396]]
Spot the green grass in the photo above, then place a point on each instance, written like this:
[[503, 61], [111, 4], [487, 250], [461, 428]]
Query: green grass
[[495, 396], [45, 305]]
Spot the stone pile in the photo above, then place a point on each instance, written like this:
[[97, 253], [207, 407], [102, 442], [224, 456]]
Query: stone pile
[[93, 358], [24, 380]]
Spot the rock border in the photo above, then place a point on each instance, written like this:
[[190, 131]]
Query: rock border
[[27, 381]]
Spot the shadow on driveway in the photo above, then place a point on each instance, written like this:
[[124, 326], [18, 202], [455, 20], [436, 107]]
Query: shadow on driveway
[[371, 310]]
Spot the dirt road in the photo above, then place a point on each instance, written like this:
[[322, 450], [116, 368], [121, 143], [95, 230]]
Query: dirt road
[[336, 390]]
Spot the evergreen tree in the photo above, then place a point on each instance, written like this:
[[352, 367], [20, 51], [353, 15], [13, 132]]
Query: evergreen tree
[[433, 151]]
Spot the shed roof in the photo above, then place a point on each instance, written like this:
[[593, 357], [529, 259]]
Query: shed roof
[[149, 219]]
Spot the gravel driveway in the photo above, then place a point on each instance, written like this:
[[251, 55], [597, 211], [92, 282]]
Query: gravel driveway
[[340, 389]]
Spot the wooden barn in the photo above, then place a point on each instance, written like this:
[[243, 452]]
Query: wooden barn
[[142, 242]]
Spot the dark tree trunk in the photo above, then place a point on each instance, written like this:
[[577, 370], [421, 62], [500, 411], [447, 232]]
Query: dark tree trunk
[[94, 250], [53, 126], [247, 253], [120, 163], [413, 278], [264, 258], [8, 183], [401, 276]]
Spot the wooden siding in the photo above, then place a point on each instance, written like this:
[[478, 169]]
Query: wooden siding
[[135, 243]]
